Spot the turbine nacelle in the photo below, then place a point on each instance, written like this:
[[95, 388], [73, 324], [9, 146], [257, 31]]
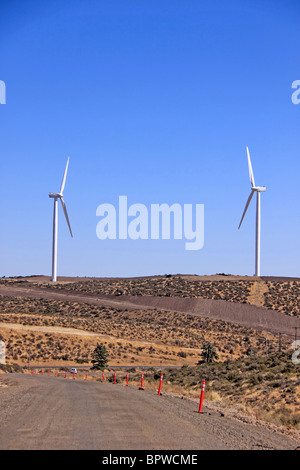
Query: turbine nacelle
[[259, 189]]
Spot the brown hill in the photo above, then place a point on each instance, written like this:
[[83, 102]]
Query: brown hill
[[178, 312]]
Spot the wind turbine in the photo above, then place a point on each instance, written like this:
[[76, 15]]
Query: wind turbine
[[258, 190], [56, 197]]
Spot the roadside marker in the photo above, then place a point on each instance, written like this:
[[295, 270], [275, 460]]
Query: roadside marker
[[160, 384], [142, 382], [127, 379], [102, 376], [201, 396], [115, 378]]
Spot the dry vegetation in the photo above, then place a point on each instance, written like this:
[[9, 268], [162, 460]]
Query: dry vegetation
[[132, 336], [244, 374], [170, 286], [266, 385], [282, 295]]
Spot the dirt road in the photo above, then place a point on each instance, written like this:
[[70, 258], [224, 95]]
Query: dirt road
[[41, 412]]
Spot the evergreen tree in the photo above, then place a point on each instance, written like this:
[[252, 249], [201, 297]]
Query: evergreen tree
[[99, 357], [209, 353]]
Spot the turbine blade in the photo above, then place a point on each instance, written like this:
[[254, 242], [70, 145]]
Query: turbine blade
[[64, 178], [246, 207], [66, 214], [251, 176]]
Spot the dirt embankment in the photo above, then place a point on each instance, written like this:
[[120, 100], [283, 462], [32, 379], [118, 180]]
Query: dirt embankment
[[247, 315]]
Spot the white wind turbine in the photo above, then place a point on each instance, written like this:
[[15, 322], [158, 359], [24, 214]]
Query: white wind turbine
[[55, 197], [258, 190]]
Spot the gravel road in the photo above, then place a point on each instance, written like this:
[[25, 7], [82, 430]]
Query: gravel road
[[53, 413]]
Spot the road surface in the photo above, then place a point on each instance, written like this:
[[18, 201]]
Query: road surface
[[56, 413]]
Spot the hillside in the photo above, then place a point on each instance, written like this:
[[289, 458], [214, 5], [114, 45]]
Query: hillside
[[281, 294], [45, 324], [175, 337]]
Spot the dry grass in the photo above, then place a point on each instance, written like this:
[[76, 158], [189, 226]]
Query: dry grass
[[282, 295], [170, 286], [244, 375], [267, 386], [141, 337]]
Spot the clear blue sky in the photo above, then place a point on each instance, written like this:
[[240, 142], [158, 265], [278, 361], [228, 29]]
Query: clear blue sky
[[156, 100]]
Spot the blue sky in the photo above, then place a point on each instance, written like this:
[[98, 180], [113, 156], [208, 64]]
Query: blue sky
[[156, 100]]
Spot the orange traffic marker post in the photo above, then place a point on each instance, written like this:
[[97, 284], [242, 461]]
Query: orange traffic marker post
[[201, 397], [102, 376], [160, 384], [115, 378], [142, 382], [127, 377]]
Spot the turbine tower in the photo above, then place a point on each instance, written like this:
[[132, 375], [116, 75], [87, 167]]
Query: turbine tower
[[258, 190], [56, 197]]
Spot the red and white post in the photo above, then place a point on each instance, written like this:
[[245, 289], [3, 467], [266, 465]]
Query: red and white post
[[201, 397], [160, 384], [142, 382]]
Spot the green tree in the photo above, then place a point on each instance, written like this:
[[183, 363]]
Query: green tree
[[99, 357], [209, 354]]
